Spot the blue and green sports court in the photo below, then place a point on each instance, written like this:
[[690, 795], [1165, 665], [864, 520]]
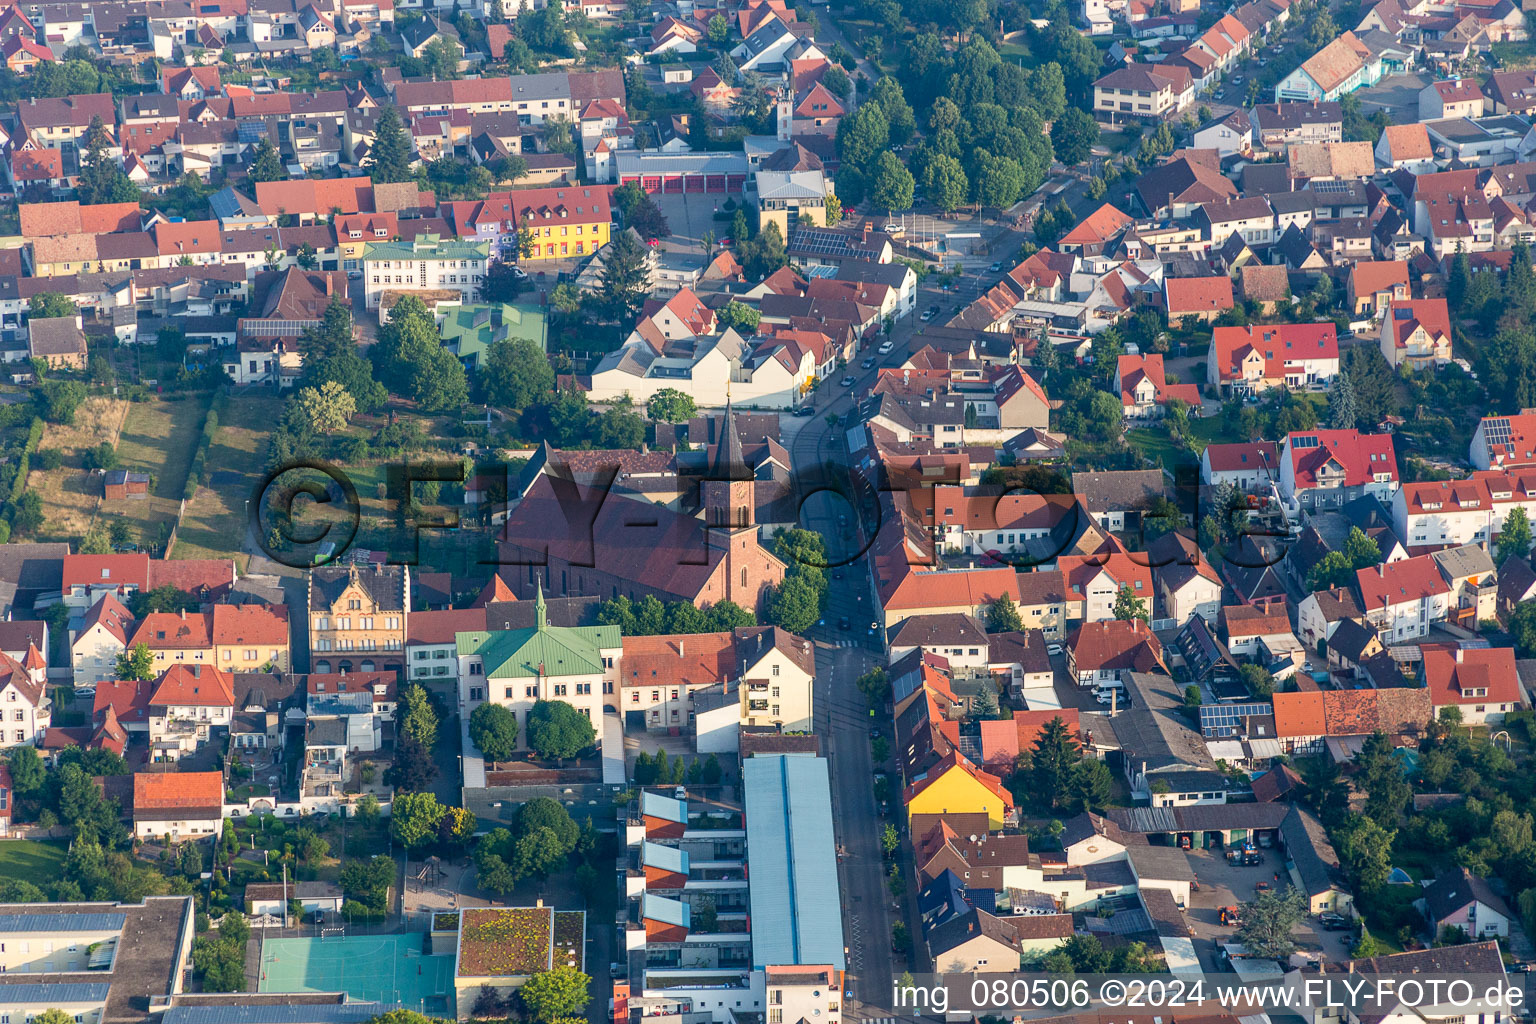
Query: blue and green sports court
[[371, 968]]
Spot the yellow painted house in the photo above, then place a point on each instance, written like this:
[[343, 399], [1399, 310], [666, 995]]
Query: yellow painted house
[[954, 786]]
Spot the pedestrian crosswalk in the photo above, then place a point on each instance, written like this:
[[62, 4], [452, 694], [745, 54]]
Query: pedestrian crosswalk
[[846, 643]]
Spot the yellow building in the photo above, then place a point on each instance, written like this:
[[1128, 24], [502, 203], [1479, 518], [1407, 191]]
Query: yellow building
[[357, 617], [954, 786], [791, 199]]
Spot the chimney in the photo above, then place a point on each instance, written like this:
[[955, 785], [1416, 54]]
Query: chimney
[[681, 653], [1458, 655]]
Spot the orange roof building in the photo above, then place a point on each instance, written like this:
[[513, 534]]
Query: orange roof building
[[1090, 236], [181, 805]]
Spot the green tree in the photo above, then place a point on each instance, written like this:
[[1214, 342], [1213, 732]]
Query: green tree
[[26, 770], [670, 405], [1267, 921], [890, 187], [1004, 617], [1074, 134], [390, 156], [558, 731], [542, 812], [441, 57], [47, 305], [1515, 536], [1128, 606], [945, 183], [794, 604], [738, 315], [516, 374], [1380, 773], [415, 716], [537, 853], [1258, 680], [623, 282], [410, 359], [325, 409], [1361, 550], [717, 29], [137, 662], [366, 881], [1052, 764], [493, 729], [414, 819], [1365, 848], [405, 1017], [101, 177], [561, 992], [1343, 413]]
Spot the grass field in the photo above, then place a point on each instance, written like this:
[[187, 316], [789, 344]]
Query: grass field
[[159, 439], [214, 526], [70, 494], [28, 861]]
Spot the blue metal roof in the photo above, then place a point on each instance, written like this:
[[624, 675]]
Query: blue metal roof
[[62, 922], [55, 994], [667, 911], [664, 807], [286, 1013], [667, 858], [792, 865]]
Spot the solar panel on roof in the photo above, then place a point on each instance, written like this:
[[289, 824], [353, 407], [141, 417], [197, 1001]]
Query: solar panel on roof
[[252, 131], [1496, 430]]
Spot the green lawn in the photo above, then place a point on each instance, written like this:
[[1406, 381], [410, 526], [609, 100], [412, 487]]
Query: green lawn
[[1156, 445], [158, 438], [29, 861], [214, 526]]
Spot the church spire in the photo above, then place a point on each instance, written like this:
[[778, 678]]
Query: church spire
[[540, 618], [730, 464]]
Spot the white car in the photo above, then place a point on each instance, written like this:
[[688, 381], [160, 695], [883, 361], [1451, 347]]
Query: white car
[[1053, 649], [887, 348]]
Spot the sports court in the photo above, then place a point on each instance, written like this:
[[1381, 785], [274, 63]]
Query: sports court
[[372, 968]]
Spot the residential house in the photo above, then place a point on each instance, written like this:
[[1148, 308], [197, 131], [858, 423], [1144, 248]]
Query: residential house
[[1480, 683], [187, 706], [1403, 599], [1204, 298], [1373, 285], [177, 806], [1458, 899], [1144, 388], [1327, 468], [1416, 332], [1250, 360]]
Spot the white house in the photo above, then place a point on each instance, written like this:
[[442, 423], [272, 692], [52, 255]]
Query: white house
[[24, 703], [100, 637], [1403, 599]]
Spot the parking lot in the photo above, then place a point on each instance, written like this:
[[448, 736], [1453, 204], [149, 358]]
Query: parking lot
[[1397, 94], [1224, 885]]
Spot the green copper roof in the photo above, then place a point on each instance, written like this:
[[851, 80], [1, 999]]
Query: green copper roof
[[428, 247], [561, 650], [469, 330]]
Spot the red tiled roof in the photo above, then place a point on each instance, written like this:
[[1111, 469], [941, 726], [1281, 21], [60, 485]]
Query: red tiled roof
[[1230, 458], [1455, 675], [1281, 346], [1407, 315], [1099, 226], [1393, 583], [265, 625], [128, 699], [193, 685], [110, 613], [37, 164], [1115, 644], [155, 791], [1372, 276], [696, 659], [440, 627], [1361, 456], [106, 570], [173, 631], [1078, 571], [1184, 295]]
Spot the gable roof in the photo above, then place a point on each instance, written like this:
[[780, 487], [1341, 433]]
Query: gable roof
[[1183, 295]]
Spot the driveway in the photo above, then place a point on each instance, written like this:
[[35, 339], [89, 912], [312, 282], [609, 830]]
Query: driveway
[[1224, 885], [1397, 94]]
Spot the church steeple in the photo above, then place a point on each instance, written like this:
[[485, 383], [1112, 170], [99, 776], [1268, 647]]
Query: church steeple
[[728, 487], [540, 618]]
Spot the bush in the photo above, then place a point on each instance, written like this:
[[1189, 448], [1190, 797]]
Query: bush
[[49, 458]]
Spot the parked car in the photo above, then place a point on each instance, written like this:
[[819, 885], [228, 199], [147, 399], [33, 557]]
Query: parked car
[[868, 362], [805, 410], [1053, 649], [887, 348], [1333, 922], [929, 314], [1261, 887], [847, 382], [996, 267]]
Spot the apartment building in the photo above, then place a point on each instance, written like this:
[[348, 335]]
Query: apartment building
[[357, 617], [429, 263]]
